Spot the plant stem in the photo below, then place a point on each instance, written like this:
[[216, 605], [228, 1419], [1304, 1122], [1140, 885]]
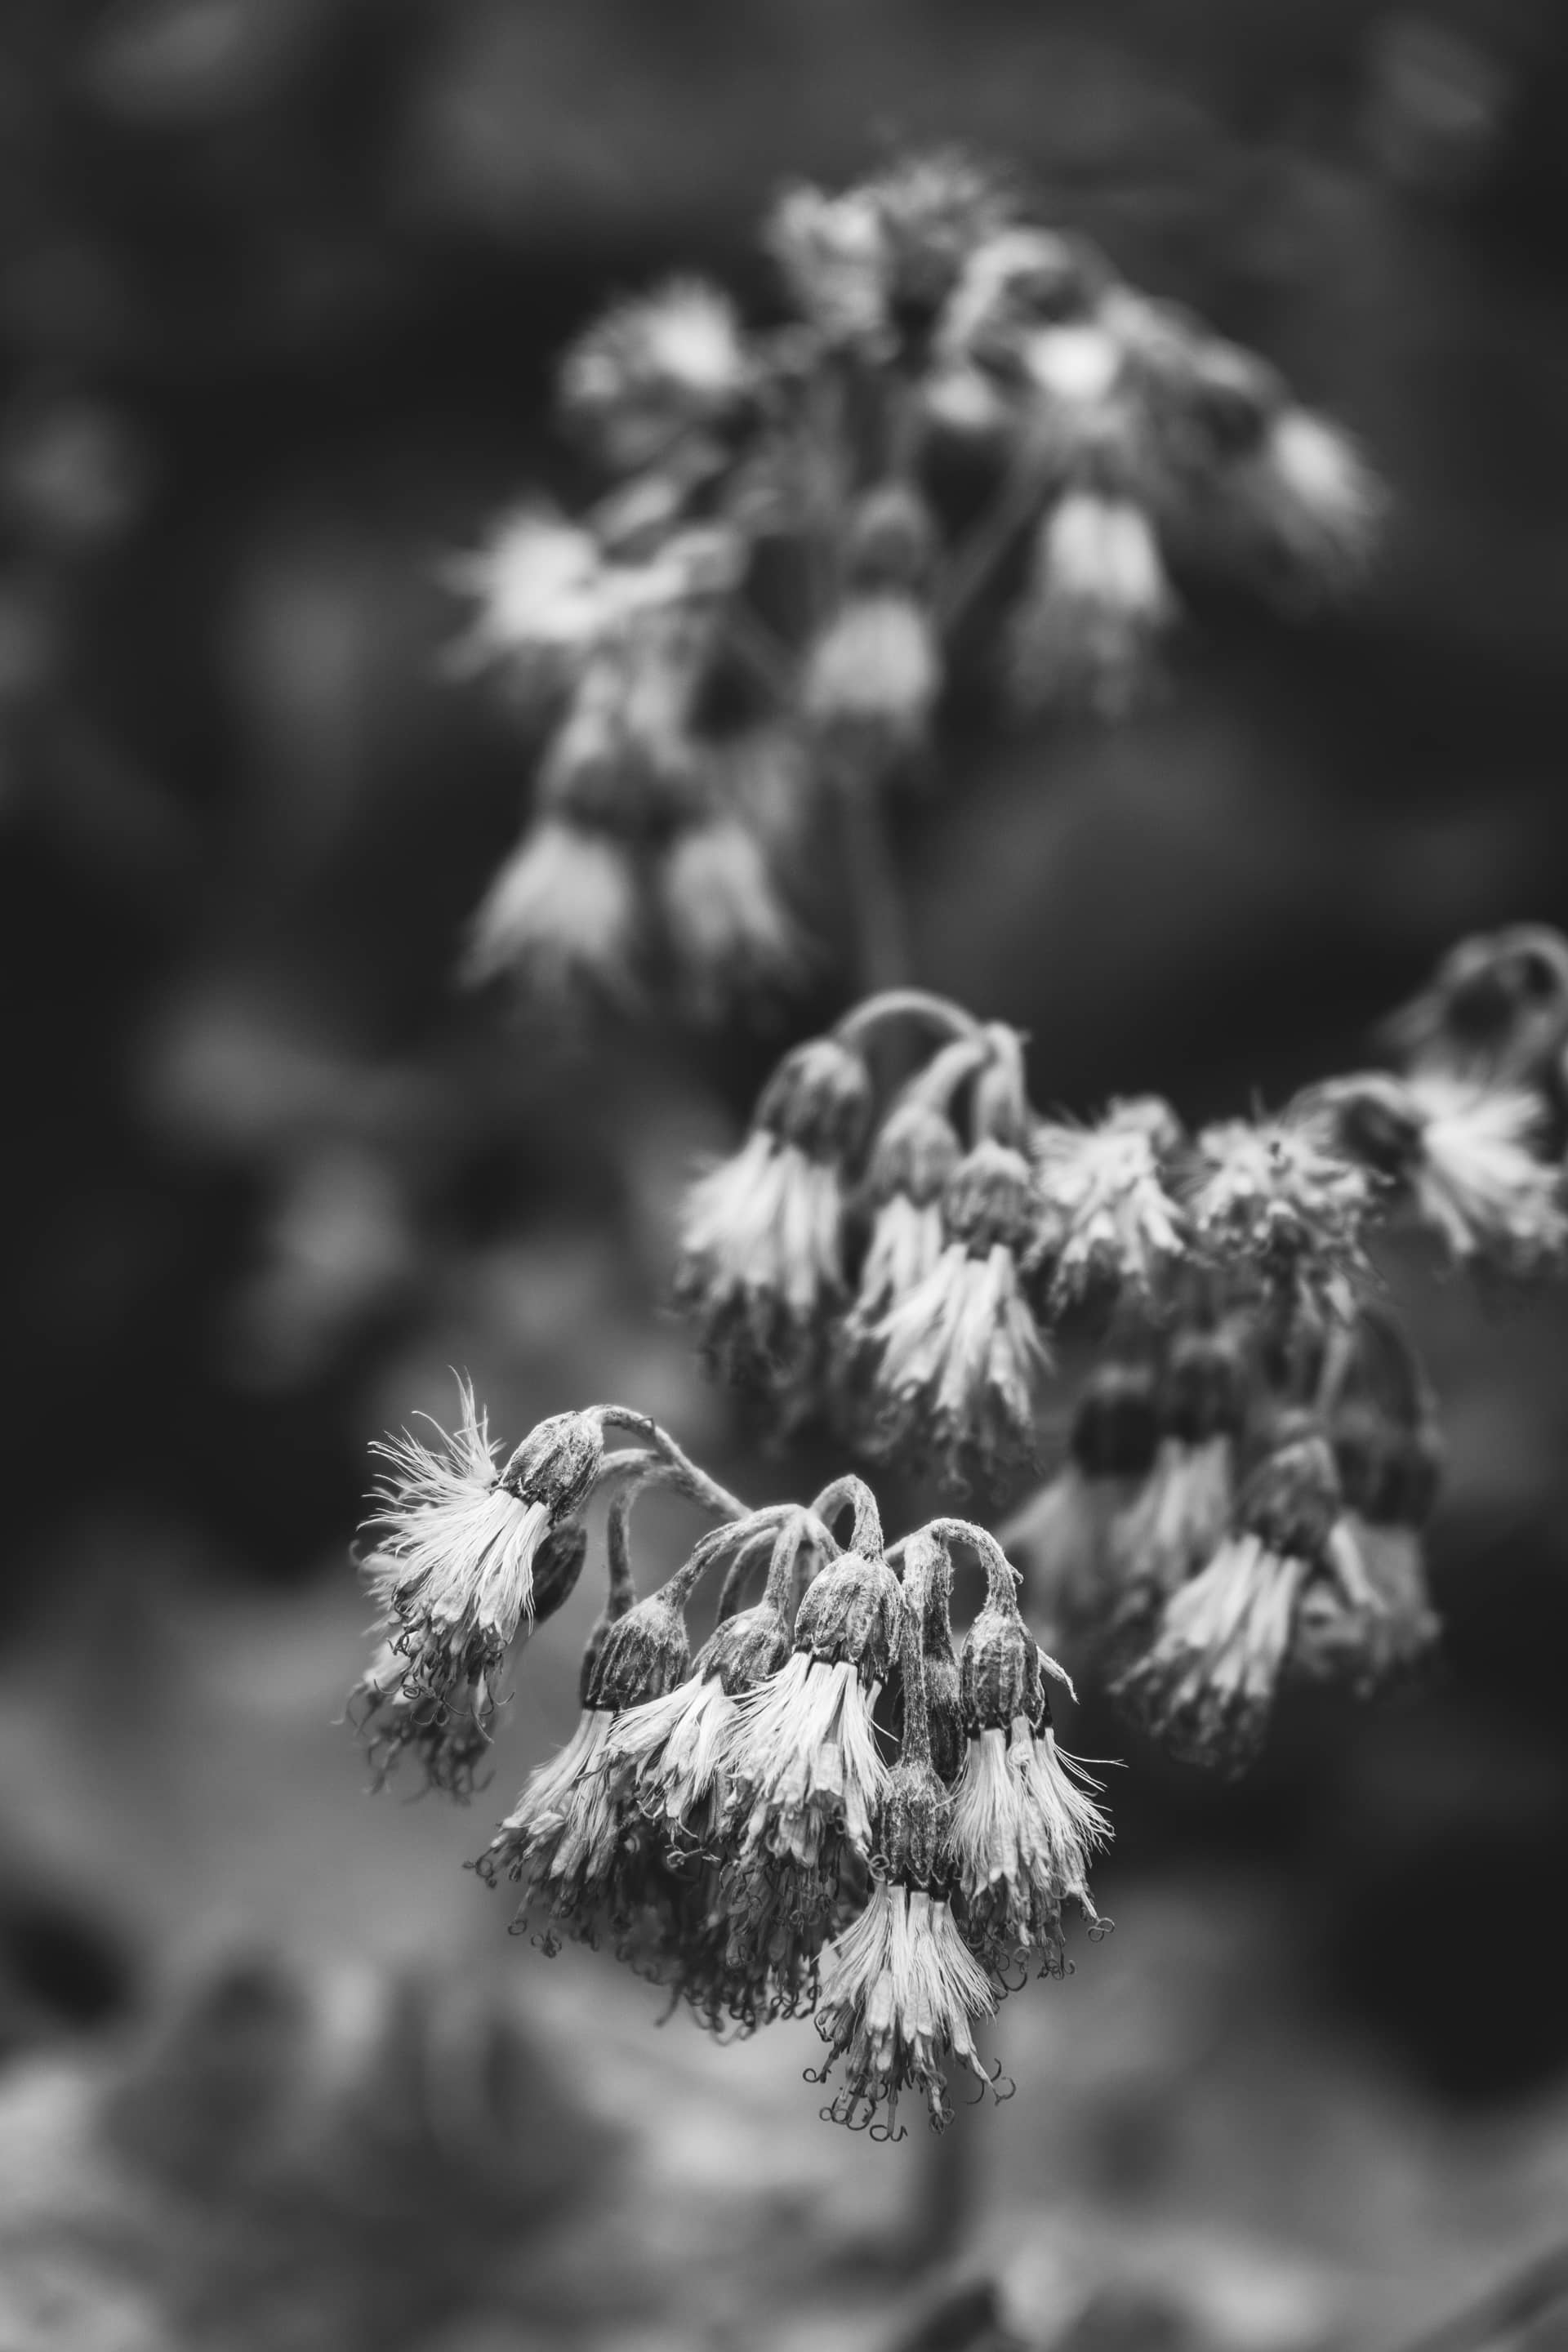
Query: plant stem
[[884, 957]]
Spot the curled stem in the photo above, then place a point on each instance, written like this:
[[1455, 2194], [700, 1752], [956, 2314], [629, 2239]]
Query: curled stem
[[890, 1004]]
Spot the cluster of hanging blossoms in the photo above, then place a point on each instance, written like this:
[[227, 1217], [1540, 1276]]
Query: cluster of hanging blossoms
[[965, 413], [830, 1810], [1256, 1449]]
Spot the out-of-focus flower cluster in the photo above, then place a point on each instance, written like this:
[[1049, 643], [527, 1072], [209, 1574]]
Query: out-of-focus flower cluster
[[1256, 1449], [962, 404], [832, 1810]]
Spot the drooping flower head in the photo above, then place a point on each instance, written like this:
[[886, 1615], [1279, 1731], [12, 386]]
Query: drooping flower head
[[655, 367], [761, 1268], [1272, 1200], [1097, 599], [901, 1992], [1389, 1473], [1495, 1011], [1024, 1824], [913, 1159], [1112, 1227], [729, 930], [874, 673], [446, 1732], [1205, 1687], [960, 1352], [538, 586], [564, 916], [1064, 1536], [1462, 1155], [1201, 1397], [671, 1749], [575, 1841], [458, 1537]]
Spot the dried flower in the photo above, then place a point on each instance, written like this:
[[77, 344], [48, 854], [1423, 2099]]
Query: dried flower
[[1495, 1011], [901, 1992], [1463, 1155], [563, 915], [1097, 599], [729, 930], [459, 1538], [1303, 507], [960, 1352], [656, 366], [1206, 1686], [1112, 1223], [1271, 1198], [1181, 1515], [761, 1268], [1066, 1536], [448, 1731], [832, 252], [537, 585], [872, 677], [900, 1997], [1389, 1475], [913, 1159], [1022, 1828], [575, 1840]]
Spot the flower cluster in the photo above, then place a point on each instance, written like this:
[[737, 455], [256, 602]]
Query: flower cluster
[[1254, 1452], [828, 1810], [770, 593]]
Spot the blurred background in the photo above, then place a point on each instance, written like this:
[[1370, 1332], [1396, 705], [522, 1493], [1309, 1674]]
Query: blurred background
[[280, 282]]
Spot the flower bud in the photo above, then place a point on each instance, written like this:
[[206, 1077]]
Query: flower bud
[[1293, 1501], [914, 1156], [852, 1615], [999, 1670], [991, 1202], [746, 1649], [642, 1655], [557, 1565], [912, 1823], [818, 1100], [557, 1462]]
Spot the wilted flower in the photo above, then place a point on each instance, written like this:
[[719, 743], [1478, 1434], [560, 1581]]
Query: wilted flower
[[1272, 1198], [575, 1840], [458, 1538], [1111, 1224], [563, 914], [901, 1992], [729, 930], [1097, 598], [961, 1353], [672, 1748], [1023, 1827], [873, 676], [832, 252], [1303, 507], [1389, 1475], [539, 588], [654, 366], [1495, 1011], [448, 1731], [1066, 1536], [1463, 1154], [761, 1266], [1206, 1686], [1016, 284], [1185, 1510], [935, 208], [912, 1163]]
